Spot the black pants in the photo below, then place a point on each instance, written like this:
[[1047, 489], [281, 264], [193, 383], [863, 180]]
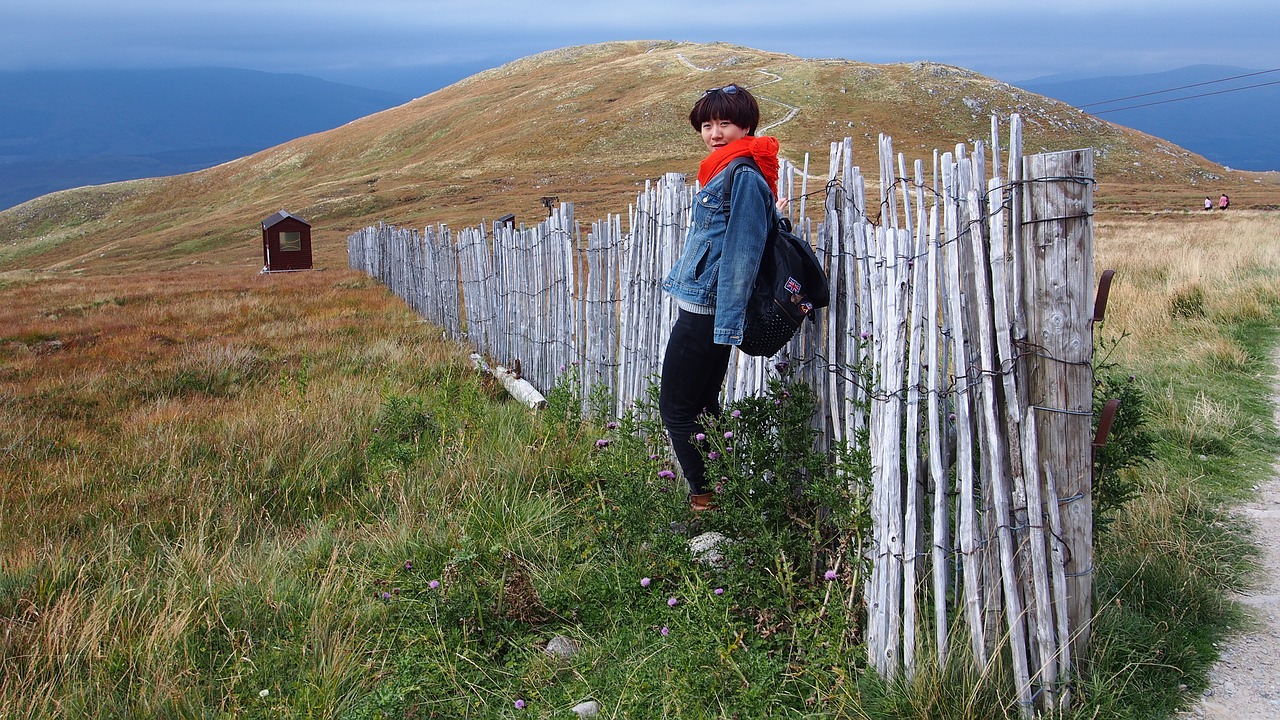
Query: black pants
[[693, 372]]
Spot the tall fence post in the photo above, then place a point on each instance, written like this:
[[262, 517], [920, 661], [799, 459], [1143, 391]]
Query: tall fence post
[[1057, 356]]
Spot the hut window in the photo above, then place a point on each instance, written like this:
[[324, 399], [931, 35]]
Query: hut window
[[290, 241]]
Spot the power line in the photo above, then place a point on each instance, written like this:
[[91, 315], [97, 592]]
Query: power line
[[1181, 87], [1188, 97]]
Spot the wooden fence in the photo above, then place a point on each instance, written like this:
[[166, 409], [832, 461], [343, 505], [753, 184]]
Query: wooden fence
[[970, 299]]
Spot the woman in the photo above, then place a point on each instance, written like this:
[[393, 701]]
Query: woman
[[713, 277]]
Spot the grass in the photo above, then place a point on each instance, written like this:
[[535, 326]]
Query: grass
[[284, 496], [1195, 304]]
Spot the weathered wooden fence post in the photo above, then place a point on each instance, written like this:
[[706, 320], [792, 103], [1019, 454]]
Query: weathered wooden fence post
[[1057, 355]]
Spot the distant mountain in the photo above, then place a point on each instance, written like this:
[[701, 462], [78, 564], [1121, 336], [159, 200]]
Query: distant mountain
[[64, 129], [1231, 124]]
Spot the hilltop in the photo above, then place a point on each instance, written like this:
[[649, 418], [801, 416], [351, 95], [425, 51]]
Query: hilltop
[[585, 124]]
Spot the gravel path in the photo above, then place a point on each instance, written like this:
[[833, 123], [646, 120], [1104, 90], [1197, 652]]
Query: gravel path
[[1245, 685]]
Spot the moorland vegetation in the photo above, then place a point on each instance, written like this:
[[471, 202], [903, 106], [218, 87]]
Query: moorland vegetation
[[232, 494]]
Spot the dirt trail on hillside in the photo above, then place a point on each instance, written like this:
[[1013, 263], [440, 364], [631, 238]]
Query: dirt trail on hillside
[[1245, 685]]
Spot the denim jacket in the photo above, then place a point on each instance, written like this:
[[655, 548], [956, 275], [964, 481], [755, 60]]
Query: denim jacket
[[722, 252]]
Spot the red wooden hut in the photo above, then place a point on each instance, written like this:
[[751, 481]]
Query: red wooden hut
[[286, 243]]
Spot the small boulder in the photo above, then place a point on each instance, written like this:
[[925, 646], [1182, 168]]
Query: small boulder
[[561, 647]]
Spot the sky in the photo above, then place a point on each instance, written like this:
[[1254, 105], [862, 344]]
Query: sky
[[393, 44]]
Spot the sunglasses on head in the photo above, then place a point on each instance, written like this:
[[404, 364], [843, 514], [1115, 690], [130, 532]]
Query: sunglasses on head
[[727, 90]]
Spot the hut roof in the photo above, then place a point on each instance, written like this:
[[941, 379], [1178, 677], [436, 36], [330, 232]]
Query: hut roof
[[282, 215]]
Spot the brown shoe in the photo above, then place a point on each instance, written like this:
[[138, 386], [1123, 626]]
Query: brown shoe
[[702, 502]]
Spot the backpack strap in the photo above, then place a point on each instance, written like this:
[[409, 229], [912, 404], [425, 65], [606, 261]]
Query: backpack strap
[[732, 169]]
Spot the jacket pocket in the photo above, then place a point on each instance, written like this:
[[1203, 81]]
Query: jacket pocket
[[701, 261], [706, 210]]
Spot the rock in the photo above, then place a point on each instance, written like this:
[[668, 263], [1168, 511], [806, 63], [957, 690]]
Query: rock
[[561, 647], [587, 709]]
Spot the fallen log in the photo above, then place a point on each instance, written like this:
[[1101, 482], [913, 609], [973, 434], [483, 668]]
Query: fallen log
[[519, 388]]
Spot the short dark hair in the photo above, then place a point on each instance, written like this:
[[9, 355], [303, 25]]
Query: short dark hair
[[731, 102]]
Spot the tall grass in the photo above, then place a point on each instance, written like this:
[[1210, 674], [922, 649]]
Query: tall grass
[[1193, 315], [186, 490], [284, 496]]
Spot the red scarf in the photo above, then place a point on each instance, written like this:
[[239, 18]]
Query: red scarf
[[764, 150]]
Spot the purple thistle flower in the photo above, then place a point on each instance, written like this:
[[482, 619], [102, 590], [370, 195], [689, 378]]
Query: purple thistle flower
[[728, 435], [519, 704], [386, 596], [728, 448], [433, 584], [713, 455], [644, 582], [665, 630], [612, 425], [653, 456], [666, 475], [672, 602], [700, 437], [782, 365], [736, 414], [830, 575], [408, 564], [602, 443], [719, 591]]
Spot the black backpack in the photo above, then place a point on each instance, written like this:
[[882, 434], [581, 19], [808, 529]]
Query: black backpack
[[790, 285]]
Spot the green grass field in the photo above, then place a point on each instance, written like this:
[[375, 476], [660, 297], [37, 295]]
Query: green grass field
[[285, 496]]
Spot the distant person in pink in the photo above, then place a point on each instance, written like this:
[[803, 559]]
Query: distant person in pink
[[1223, 202]]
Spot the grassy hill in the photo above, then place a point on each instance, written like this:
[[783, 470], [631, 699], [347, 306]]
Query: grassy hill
[[588, 125]]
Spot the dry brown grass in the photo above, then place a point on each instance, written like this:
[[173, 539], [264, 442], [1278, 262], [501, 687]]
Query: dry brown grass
[[143, 372], [183, 483], [1179, 276]]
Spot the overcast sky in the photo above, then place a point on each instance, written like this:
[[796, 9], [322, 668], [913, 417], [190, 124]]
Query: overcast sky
[[364, 40]]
